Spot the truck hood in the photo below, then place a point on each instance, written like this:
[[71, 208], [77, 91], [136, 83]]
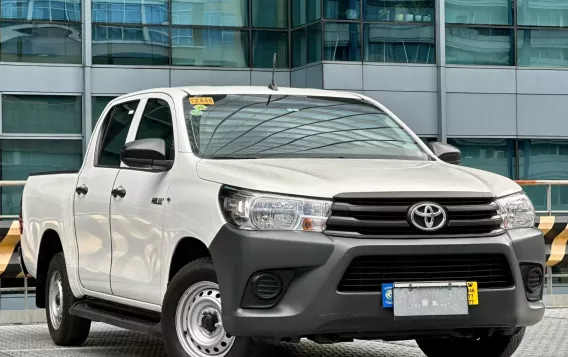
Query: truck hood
[[328, 177]]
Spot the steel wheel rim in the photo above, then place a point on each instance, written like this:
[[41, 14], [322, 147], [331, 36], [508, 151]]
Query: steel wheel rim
[[198, 312], [55, 300]]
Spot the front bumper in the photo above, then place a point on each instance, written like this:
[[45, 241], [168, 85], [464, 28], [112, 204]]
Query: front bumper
[[311, 304]]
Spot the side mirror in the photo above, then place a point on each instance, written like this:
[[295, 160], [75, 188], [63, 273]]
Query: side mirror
[[146, 153], [446, 152]]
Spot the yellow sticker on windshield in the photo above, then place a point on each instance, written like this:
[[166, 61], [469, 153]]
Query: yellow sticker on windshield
[[202, 101]]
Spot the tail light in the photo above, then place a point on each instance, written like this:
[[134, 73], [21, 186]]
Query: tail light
[[21, 218]]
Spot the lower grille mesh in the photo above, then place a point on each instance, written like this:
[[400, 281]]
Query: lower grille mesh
[[368, 273]]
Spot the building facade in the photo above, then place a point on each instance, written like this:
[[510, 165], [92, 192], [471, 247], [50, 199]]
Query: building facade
[[489, 77]]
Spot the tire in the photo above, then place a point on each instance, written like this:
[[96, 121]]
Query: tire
[[65, 329], [494, 346], [193, 290]]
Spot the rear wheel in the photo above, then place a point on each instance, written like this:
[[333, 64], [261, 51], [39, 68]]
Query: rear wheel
[[65, 329], [192, 324], [493, 346]]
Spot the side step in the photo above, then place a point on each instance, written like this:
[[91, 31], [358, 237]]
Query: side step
[[124, 317]]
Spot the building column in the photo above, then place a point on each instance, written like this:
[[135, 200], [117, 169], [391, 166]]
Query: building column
[[441, 67], [87, 63]]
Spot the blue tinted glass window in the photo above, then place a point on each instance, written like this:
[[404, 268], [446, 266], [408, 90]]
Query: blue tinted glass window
[[40, 42], [342, 42], [270, 13], [400, 43], [210, 47], [493, 155], [479, 46], [265, 44], [542, 159], [305, 11], [496, 12], [341, 9], [543, 48], [45, 114], [399, 11], [44, 10], [138, 12], [125, 45], [210, 13], [299, 47], [549, 13], [315, 36]]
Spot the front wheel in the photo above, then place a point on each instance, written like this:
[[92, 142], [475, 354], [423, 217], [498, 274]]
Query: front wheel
[[64, 328], [191, 324], [493, 346]]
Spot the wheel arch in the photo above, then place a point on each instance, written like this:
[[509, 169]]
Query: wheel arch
[[186, 250], [50, 245]]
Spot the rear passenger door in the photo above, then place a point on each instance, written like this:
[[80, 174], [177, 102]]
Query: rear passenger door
[[92, 197], [136, 218]]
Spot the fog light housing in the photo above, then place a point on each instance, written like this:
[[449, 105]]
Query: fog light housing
[[265, 289], [533, 281], [266, 286]]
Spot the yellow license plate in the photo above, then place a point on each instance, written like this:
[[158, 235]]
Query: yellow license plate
[[472, 294], [201, 100]]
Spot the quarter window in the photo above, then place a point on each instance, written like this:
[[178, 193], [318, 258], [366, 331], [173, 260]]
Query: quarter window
[[156, 123]]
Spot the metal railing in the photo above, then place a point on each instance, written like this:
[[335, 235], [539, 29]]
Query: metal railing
[[549, 275], [11, 184]]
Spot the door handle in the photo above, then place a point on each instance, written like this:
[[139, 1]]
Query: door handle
[[82, 190], [119, 191]]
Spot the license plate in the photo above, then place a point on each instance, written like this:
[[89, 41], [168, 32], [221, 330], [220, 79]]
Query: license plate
[[430, 299]]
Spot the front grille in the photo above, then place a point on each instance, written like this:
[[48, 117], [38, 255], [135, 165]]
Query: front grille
[[368, 273], [387, 217]]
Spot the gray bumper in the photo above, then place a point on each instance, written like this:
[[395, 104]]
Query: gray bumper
[[312, 304]]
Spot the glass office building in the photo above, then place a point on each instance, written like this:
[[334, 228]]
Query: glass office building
[[490, 77]]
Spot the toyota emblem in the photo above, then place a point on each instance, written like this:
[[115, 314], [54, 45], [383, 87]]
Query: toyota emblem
[[428, 216]]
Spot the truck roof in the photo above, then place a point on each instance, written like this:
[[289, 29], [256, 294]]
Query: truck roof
[[251, 90]]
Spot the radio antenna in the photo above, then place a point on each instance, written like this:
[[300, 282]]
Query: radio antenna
[[272, 85]]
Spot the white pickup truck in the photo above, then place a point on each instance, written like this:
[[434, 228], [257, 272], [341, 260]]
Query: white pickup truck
[[226, 218]]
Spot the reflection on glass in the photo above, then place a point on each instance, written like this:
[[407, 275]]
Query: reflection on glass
[[265, 44], [296, 127], [41, 114], [479, 46], [123, 45], [270, 13], [314, 42], [342, 42], [399, 10], [98, 105], [550, 13], [20, 158], [400, 43], [341, 9], [130, 12], [299, 47], [493, 155], [495, 12], [40, 43], [305, 11], [541, 159], [44, 10], [547, 48], [210, 13], [209, 48]]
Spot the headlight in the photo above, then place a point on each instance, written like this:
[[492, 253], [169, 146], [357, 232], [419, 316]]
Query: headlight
[[258, 211], [517, 211]]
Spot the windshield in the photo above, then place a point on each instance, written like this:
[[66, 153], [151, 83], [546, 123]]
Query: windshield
[[256, 126]]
